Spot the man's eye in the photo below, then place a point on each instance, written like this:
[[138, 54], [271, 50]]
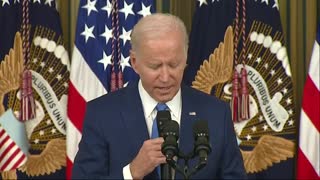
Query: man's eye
[[154, 66], [174, 65]]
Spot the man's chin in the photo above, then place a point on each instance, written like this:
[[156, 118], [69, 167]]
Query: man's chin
[[164, 98]]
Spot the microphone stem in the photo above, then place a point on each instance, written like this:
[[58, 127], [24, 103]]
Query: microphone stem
[[166, 171]]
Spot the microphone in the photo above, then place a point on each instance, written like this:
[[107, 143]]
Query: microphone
[[202, 146], [169, 147], [163, 117], [171, 135]]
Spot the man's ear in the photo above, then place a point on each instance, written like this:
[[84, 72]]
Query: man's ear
[[133, 60]]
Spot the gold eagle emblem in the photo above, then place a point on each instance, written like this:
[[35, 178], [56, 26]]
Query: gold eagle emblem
[[53, 155], [218, 70]]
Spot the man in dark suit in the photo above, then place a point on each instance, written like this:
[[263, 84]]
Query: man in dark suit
[[116, 135]]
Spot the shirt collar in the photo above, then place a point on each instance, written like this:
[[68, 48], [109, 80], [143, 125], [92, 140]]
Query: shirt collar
[[149, 103]]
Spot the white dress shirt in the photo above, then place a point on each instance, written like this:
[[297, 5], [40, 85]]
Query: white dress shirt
[[150, 113]]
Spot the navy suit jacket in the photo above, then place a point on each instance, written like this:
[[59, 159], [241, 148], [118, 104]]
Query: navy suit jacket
[[115, 129]]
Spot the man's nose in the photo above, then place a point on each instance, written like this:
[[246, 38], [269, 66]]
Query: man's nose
[[164, 74]]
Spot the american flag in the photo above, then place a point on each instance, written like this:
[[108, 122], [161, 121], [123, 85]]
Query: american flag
[[101, 48], [308, 164], [12, 157], [13, 145]]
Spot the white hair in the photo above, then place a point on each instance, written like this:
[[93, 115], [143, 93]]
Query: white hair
[[156, 26]]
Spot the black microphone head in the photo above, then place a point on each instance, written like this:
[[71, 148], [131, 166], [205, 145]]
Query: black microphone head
[[162, 118], [164, 115], [171, 128], [202, 145], [200, 127], [171, 135]]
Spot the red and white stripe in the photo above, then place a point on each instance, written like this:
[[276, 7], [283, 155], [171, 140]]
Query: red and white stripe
[[11, 156], [83, 87], [308, 164]]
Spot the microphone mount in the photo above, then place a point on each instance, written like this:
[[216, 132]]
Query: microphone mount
[[201, 148]]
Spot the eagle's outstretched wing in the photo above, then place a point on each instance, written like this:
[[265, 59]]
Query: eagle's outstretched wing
[[10, 69], [219, 67], [12, 174], [52, 158], [269, 150]]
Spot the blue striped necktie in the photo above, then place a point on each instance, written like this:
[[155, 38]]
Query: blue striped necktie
[[154, 132]]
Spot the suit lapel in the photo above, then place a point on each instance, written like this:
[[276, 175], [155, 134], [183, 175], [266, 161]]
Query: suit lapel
[[134, 120], [188, 117], [133, 117], [186, 121]]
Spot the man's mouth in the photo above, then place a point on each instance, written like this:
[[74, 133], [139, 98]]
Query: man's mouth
[[165, 89]]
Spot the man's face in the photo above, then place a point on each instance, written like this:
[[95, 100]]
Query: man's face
[[160, 64]]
